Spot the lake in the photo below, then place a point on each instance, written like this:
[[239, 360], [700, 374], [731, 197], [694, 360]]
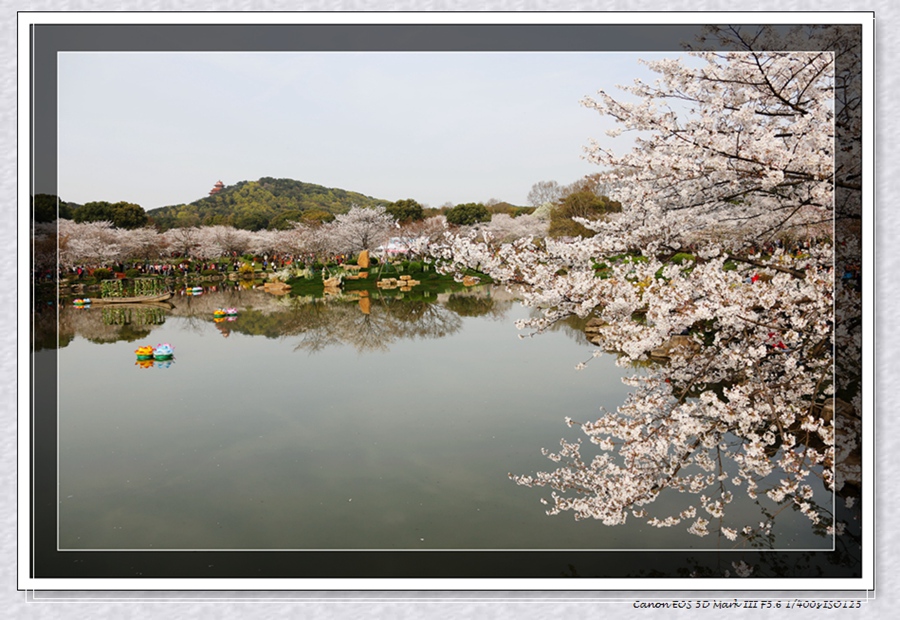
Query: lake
[[346, 423]]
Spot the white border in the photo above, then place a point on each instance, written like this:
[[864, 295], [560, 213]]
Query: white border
[[26, 19]]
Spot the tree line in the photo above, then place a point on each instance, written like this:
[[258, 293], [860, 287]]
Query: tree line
[[277, 204]]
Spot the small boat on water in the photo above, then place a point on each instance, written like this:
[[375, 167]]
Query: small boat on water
[[133, 300], [163, 352], [144, 353]]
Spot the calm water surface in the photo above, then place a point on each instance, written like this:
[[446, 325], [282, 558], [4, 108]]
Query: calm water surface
[[381, 424]]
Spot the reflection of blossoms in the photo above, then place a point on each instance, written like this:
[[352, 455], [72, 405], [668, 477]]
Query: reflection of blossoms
[[742, 569]]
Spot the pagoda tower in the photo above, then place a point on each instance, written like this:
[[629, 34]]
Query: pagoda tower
[[218, 187]]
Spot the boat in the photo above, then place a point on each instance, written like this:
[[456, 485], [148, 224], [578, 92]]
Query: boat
[[163, 352], [132, 300], [144, 353], [162, 305]]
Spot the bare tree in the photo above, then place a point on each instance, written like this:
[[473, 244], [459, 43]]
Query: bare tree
[[543, 192]]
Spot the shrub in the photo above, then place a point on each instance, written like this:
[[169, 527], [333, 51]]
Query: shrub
[[414, 266], [132, 273], [102, 274], [581, 204], [246, 270], [209, 272], [681, 257]]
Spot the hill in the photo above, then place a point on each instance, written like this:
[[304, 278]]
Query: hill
[[266, 203]]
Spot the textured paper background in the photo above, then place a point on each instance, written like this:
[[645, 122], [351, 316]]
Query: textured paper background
[[460, 605]]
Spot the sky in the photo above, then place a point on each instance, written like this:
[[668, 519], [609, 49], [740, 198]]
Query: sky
[[159, 129]]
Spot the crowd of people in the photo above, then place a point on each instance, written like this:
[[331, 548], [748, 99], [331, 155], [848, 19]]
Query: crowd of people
[[183, 267]]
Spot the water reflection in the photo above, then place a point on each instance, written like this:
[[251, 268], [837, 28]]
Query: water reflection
[[362, 320], [321, 325], [243, 443], [242, 438], [137, 314]]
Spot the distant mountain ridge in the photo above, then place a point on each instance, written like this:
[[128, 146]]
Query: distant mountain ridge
[[265, 203]]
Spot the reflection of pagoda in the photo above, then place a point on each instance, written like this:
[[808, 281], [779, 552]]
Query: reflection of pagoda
[[218, 187]]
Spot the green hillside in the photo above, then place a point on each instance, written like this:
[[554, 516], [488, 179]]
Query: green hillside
[[266, 203]]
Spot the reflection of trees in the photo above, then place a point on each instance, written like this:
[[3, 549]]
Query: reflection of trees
[[470, 305], [343, 323], [133, 315], [572, 326], [346, 325], [372, 325], [103, 325], [46, 327], [478, 303], [753, 564], [195, 311]]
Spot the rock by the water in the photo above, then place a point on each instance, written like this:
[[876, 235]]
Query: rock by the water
[[675, 342]]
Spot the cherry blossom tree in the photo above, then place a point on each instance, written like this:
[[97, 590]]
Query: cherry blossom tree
[[183, 241], [141, 243], [227, 239], [717, 280], [504, 228], [93, 243], [845, 44], [263, 242], [420, 235], [308, 241], [361, 229], [206, 245]]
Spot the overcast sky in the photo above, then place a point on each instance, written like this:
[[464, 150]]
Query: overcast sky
[[161, 128]]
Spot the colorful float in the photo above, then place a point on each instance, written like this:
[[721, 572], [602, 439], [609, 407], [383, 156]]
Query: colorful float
[[231, 311], [163, 352], [144, 353], [219, 313], [82, 302]]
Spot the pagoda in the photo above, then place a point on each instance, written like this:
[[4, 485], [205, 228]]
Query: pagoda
[[218, 187]]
